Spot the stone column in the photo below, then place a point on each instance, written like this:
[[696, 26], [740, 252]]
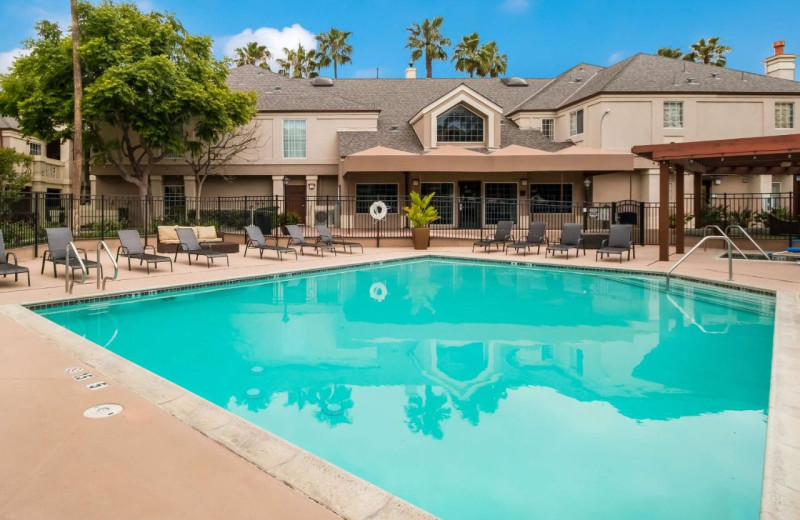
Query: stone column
[[93, 185], [312, 202]]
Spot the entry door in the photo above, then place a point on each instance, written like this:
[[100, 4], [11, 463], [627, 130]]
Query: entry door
[[469, 204], [296, 200]]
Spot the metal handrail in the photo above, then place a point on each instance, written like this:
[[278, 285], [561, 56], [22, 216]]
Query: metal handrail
[[103, 246], [725, 235], [740, 228], [692, 250], [69, 280]]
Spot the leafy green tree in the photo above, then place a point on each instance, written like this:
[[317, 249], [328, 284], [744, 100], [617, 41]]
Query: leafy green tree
[[709, 53], [253, 53], [334, 48], [15, 171], [145, 80], [669, 52], [427, 39], [465, 54], [490, 62], [299, 63]]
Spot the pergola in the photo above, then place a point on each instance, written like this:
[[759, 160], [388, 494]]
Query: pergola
[[771, 155]]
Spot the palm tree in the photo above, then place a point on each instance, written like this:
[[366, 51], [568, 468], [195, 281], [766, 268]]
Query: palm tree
[[710, 53], [465, 54], [669, 52], [490, 62], [334, 48], [253, 53], [299, 63], [77, 122], [427, 39]]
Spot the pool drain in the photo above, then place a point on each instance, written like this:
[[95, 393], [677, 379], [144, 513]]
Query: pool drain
[[257, 371], [101, 411], [253, 393], [333, 409]]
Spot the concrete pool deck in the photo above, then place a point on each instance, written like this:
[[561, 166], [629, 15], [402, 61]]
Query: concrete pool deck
[[146, 464]]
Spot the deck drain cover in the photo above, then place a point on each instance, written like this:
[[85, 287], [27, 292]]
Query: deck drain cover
[[102, 411]]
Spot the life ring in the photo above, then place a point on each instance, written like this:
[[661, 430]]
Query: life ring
[[378, 210], [378, 292]]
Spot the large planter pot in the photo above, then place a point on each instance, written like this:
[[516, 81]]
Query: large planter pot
[[420, 237]]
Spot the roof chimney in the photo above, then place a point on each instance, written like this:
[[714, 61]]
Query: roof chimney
[[411, 71], [780, 65]]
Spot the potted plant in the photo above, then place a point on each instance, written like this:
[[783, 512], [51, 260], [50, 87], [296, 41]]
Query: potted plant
[[421, 214]]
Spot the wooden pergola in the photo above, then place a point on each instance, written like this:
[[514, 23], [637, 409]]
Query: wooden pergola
[[771, 155]]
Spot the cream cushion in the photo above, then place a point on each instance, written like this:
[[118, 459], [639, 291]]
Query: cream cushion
[[167, 234], [207, 234]]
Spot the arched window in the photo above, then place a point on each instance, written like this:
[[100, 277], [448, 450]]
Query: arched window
[[459, 125]]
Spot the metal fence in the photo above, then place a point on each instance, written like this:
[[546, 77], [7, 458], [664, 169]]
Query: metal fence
[[23, 218]]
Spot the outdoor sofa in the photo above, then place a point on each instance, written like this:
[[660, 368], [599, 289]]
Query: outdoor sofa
[[168, 242]]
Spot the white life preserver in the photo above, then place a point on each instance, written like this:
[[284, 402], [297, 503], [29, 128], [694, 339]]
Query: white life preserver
[[378, 210], [378, 291]]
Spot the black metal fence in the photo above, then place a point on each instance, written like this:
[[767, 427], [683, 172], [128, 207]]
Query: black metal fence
[[23, 218]]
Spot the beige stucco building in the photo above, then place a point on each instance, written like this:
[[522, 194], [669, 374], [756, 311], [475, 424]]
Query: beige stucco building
[[51, 161]]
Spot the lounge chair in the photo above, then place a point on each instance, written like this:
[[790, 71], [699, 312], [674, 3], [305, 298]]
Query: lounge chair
[[255, 240], [131, 248], [619, 241], [7, 268], [296, 237], [501, 236], [570, 239], [58, 240], [327, 237], [536, 237], [190, 246]]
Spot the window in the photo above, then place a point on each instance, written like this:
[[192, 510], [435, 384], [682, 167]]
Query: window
[[551, 198], [576, 122], [53, 150], [548, 129], [442, 201], [366, 194], [174, 202], [459, 125], [784, 115], [34, 149], [294, 139], [673, 114], [501, 201]]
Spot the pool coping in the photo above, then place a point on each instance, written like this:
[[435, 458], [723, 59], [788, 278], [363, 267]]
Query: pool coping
[[356, 499]]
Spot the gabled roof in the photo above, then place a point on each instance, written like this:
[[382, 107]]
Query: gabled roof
[[559, 89], [459, 89], [8, 123]]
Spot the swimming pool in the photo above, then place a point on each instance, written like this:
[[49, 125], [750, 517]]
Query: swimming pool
[[476, 390]]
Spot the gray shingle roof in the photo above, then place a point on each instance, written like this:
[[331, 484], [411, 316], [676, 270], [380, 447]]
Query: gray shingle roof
[[8, 123]]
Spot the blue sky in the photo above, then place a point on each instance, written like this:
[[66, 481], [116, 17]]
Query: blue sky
[[540, 37]]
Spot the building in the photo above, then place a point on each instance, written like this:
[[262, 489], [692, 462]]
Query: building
[[51, 161]]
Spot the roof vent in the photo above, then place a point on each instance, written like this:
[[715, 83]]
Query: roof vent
[[690, 80], [515, 81], [395, 128], [322, 81], [277, 88], [715, 75]]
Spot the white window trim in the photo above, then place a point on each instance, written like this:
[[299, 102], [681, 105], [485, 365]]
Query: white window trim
[[583, 121], [488, 125], [552, 127], [39, 145], [283, 139], [793, 113], [355, 195], [664, 119], [453, 223], [460, 143]]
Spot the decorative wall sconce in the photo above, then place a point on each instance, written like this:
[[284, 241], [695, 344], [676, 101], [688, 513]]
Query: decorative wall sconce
[[311, 186], [415, 182], [523, 182]]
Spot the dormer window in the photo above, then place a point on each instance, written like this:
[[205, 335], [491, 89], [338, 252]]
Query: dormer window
[[459, 125]]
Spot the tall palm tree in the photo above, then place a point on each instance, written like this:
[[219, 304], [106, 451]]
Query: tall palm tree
[[253, 53], [490, 62], [465, 54], [710, 53], [77, 123], [299, 62], [334, 48], [427, 39], [669, 52]]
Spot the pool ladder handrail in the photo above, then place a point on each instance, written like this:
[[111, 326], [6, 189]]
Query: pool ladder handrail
[[724, 237], [740, 228], [69, 277], [102, 246]]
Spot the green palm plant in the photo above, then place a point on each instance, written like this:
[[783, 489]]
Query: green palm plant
[[709, 53], [427, 39], [299, 63], [421, 213], [253, 53], [334, 48], [669, 52], [465, 54], [490, 62]]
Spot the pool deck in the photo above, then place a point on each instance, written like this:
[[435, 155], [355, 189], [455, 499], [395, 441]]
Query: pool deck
[[149, 462]]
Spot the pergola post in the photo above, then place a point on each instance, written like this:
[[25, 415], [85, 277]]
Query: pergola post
[[663, 212], [679, 209], [698, 201]]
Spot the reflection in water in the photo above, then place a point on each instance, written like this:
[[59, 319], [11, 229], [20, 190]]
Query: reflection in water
[[551, 381]]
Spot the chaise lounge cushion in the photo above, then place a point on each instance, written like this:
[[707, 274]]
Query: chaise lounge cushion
[[167, 234], [207, 234]]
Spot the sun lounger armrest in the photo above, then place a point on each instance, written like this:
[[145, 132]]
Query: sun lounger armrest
[[82, 250], [16, 261], [122, 250], [151, 246], [604, 243], [580, 242]]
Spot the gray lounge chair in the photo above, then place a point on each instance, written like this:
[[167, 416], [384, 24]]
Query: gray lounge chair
[[296, 237], [327, 237], [255, 240], [190, 246], [502, 236], [58, 240], [619, 241], [536, 237], [7, 268], [131, 248], [570, 239]]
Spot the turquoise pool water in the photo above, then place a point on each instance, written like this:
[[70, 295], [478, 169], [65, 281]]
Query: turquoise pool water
[[480, 391]]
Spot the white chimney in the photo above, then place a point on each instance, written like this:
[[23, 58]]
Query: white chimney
[[780, 65], [411, 71]]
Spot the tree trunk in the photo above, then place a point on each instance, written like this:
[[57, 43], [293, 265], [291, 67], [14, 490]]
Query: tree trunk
[[77, 138], [428, 66], [335, 74]]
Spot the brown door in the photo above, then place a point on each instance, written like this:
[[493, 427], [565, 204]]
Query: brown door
[[296, 200]]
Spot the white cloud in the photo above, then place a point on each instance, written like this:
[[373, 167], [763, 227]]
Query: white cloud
[[515, 6], [615, 57], [274, 39], [8, 57]]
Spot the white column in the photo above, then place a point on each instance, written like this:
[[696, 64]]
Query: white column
[[277, 185]]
